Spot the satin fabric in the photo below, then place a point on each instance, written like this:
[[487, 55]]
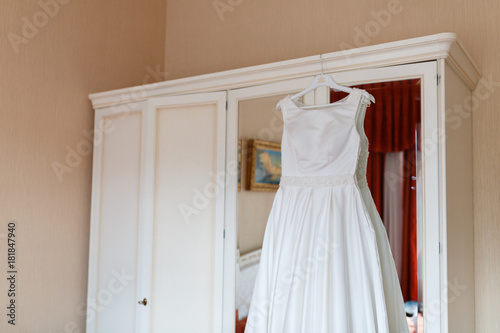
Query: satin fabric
[[326, 265]]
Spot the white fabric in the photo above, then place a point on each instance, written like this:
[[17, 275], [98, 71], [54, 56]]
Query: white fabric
[[245, 280], [326, 264], [393, 206]]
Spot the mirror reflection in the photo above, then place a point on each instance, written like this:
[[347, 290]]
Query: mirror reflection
[[392, 126]]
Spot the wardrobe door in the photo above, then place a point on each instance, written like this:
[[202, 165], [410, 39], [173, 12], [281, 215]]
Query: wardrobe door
[[430, 283], [188, 212], [114, 283]]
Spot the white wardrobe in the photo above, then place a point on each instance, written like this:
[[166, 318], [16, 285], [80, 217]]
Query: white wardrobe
[[164, 197]]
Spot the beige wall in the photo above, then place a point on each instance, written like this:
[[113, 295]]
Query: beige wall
[[82, 47], [254, 206], [246, 33]]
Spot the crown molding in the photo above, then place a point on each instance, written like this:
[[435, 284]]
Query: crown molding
[[426, 48]]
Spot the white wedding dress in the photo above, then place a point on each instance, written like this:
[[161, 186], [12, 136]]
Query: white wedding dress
[[326, 264]]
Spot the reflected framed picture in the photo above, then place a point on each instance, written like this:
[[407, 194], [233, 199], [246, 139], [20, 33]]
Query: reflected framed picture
[[264, 165]]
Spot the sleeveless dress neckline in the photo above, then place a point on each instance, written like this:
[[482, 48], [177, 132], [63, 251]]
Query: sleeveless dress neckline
[[305, 107]]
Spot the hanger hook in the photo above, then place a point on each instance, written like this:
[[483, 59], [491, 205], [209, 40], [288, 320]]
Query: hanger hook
[[321, 62]]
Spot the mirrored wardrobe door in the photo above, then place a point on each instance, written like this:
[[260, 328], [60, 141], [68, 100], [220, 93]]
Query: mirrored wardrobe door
[[393, 126]]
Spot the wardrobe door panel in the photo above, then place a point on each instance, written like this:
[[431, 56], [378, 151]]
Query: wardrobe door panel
[[188, 224], [112, 300]]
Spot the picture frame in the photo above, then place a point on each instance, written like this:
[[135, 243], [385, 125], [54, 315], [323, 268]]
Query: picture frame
[[264, 165]]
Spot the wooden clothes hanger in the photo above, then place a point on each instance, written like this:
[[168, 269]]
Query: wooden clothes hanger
[[325, 80]]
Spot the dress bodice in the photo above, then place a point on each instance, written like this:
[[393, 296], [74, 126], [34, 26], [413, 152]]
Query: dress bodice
[[325, 143]]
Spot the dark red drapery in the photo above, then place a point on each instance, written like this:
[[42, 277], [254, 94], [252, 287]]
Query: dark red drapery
[[390, 125]]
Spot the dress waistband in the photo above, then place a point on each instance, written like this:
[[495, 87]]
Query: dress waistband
[[323, 181]]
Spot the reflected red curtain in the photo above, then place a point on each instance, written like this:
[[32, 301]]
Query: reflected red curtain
[[390, 125]]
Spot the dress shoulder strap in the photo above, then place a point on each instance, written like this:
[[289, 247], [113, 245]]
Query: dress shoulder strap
[[280, 103], [366, 97]]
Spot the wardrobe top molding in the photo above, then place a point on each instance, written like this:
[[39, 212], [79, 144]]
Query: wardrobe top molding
[[431, 47]]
